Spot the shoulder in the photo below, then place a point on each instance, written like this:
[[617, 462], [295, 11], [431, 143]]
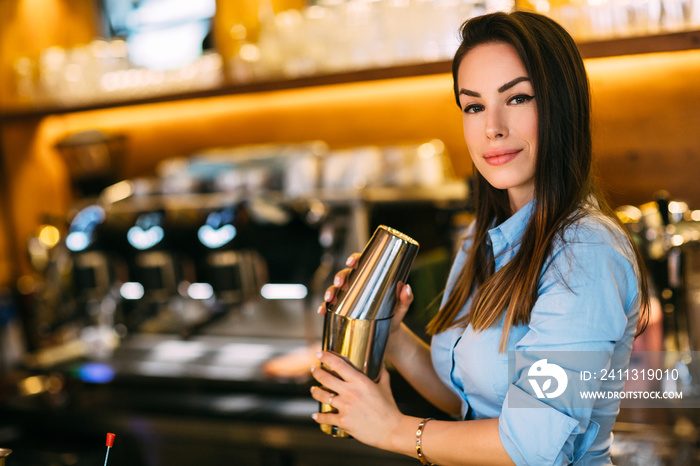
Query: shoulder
[[593, 232], [591, 248], [590, 225], [593, 255], [589, 288]]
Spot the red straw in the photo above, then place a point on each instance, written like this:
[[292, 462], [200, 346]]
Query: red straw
[[109, 443]]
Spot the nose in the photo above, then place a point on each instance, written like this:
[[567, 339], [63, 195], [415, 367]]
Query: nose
[[496, 127]]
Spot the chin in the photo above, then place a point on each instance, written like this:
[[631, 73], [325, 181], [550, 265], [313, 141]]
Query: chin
[[503, 183]]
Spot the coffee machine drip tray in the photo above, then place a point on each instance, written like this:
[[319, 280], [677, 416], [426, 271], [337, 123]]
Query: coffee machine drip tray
[[240, 347], [210, 360]]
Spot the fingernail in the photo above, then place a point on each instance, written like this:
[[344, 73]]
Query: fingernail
[[312, 389], [314, 416], [313, 368], [319, 354], [409, 291], [320, 309], [348, 261], [336, 281], [327, 296]]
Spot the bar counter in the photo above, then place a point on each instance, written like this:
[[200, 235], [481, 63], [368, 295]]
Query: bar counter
[[179, 413], [209, 402]]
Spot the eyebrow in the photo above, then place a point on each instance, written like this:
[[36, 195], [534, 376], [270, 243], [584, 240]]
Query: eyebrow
[[501, 89]]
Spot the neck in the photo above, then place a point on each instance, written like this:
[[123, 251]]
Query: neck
[[518, 198]]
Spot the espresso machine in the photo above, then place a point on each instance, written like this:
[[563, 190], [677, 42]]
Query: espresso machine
[[181, 255], [242, 242], [193, 292], [668, 234]]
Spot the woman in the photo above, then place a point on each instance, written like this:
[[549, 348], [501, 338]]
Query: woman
[[546, 273]]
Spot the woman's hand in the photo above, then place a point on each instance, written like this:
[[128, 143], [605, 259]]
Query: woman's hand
[[340, 282], [366, 410]]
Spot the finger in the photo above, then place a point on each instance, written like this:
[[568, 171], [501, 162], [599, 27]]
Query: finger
[[406, 294], [353, 260], [404, 302], [328, 380], [322, 395], [340, 282], [341, 278], [329, 418], [334, 363], [330, 294], [321, 309]]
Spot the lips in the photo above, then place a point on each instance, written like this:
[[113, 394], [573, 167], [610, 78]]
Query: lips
[[500, 156]]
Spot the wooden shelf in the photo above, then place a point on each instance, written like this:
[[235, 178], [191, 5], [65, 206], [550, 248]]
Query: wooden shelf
[[671, 42], [401, 71], [678, 41]]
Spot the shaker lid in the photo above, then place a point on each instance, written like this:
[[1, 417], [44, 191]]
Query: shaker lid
[[398, 234]]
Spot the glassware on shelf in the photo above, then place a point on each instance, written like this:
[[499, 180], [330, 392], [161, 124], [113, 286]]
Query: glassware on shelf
[[101, 72], [589, 20], [332, 36], [267, 40]]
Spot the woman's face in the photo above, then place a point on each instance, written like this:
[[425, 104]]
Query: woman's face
[[499, 116]]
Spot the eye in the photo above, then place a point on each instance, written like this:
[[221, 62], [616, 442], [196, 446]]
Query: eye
[[521, 99], [474, 108]]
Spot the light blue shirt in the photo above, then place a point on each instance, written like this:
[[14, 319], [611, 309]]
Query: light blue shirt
[[588, 302]]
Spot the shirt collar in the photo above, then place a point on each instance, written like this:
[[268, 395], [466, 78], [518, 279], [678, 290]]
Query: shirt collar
[[509, 232]]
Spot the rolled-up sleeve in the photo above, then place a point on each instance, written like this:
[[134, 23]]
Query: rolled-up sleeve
[[586, 305], [541, 434]]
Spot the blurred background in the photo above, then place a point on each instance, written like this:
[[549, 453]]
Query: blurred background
[[180, 181]]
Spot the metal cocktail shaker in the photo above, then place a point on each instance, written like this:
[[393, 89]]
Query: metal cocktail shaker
[[4, 453], [357, 326]]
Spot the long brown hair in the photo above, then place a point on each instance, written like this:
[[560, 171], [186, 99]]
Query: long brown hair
[[563, 178]]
